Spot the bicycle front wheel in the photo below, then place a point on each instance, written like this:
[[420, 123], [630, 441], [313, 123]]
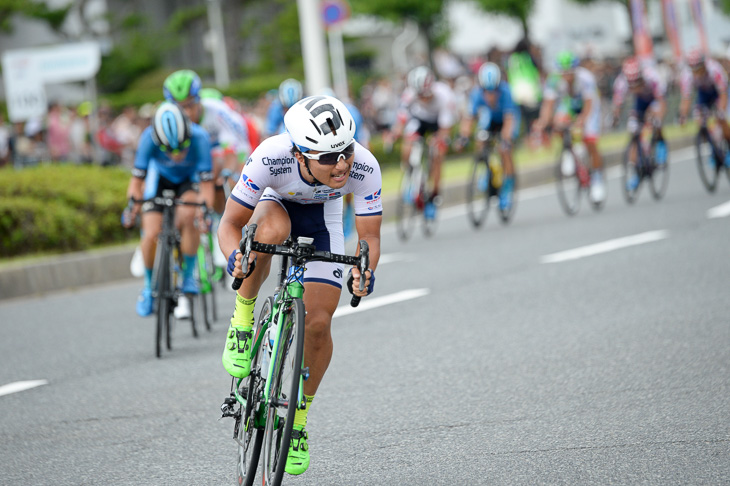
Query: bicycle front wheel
[[568, 183], [164, 292], [249, 432], [406, 207], [707, 160], [477, 192], [286, 393], [659, 173], [630, 176]]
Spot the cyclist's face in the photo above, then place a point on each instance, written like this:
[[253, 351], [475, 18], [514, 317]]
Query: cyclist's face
[[192, 108], [334, 176], [699, 71], [490, 96]]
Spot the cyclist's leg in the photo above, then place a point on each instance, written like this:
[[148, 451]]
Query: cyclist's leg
[[273, 227], [185, 220]]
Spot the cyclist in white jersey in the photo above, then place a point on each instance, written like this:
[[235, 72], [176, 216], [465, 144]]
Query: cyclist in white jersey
[[227, 129], [293, 184], [427, 106], [573, 99]]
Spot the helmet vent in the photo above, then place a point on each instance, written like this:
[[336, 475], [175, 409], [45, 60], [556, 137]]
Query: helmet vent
[[311, 140], [315, 126], [331, 124]]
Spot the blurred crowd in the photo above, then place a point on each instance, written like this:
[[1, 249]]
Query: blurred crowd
[[83, 135]]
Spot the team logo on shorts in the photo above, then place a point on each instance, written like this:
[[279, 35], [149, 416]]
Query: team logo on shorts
[[337, 273]]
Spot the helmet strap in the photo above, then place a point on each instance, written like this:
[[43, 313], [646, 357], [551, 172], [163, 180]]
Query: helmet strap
[[306, 166]]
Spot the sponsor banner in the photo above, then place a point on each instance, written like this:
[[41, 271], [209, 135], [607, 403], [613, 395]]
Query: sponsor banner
[[699, 18], [669, 14], [642, 37]]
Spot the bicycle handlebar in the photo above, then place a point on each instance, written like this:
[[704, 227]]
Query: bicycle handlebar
[[301, 252]]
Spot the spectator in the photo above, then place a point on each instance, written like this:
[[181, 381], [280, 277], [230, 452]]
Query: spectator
[[58, 134], [80, 134], [5, 135]]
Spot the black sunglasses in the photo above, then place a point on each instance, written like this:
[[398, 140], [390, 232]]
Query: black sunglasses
[[331, 158]]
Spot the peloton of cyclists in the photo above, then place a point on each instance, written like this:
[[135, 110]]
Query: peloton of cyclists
[[492, 106], [226, 128], [173, 153], [427, 106], [292, 185], [649, 92], [572, 99], [710, 81]]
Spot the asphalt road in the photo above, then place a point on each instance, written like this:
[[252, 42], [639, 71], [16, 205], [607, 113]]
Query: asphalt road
[[493, 363]]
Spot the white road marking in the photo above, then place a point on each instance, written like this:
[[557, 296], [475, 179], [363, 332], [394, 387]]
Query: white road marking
[[720, 211], [20, 386], [396, 257], [606, 246], [371, 303]]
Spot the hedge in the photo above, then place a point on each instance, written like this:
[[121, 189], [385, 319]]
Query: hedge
[[61, 207]]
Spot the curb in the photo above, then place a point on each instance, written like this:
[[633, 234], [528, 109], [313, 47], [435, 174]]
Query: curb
[[102, 266]]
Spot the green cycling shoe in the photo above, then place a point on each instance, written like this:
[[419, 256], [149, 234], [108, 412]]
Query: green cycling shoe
[[298, 459], [237, 353]]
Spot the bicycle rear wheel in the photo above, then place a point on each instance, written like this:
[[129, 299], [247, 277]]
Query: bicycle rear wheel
[[286, 394], [630, 174], [406, 207], [708, 160], [477, 192], [659, 174], [567, 182], [249, 432]]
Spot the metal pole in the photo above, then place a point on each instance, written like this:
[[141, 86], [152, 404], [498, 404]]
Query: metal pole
[[314, 51], [220, 56], [337, 58]]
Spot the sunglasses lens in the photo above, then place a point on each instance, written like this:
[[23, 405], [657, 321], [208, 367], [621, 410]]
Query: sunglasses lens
[[331, 158]]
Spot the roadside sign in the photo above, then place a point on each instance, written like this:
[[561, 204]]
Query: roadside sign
[[334, 12]]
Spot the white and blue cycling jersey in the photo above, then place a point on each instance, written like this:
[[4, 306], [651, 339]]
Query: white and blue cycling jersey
[[227, 129], [492, 117], [196, 166], [272, 173]]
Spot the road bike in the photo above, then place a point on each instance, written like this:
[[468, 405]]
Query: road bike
[[712, 149], [167, 270], [415, 192], [486, 180], [264, 403], [209, 274], [642, 161], [572, 175]]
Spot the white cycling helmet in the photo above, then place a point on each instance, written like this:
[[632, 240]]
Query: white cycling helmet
[[489, 76], [320, 123], [420, 79], [290, 91]]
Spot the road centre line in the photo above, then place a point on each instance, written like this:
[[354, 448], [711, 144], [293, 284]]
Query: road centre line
[[720, 211], [372, 303], [20, 386], [605, 246]]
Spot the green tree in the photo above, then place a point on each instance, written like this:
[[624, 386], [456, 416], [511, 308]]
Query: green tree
[[427, 14], [54, 17], [516, 9]]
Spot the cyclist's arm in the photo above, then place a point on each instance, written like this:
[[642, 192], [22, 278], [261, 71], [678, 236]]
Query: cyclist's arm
[[368, 229], [234, 218], [508, 126]]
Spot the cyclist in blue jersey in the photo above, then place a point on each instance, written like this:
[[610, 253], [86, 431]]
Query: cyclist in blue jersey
[[290, 91], [492, 106], [173, 153]]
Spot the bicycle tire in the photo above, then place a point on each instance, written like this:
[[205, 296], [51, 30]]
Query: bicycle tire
[[162, 286], [406, 206], [507, 214], [568, 184], [249, 433], [659, 180], [286, 376], [477, 192], [630, 171], [709, 172]]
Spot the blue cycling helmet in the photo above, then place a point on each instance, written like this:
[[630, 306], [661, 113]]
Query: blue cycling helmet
[[290, 91], [171, 130], [489, 76]]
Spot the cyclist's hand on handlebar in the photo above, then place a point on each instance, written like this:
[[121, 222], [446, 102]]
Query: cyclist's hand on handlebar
[[130, 214], [235, 269], [353, 282], [460, 143]]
